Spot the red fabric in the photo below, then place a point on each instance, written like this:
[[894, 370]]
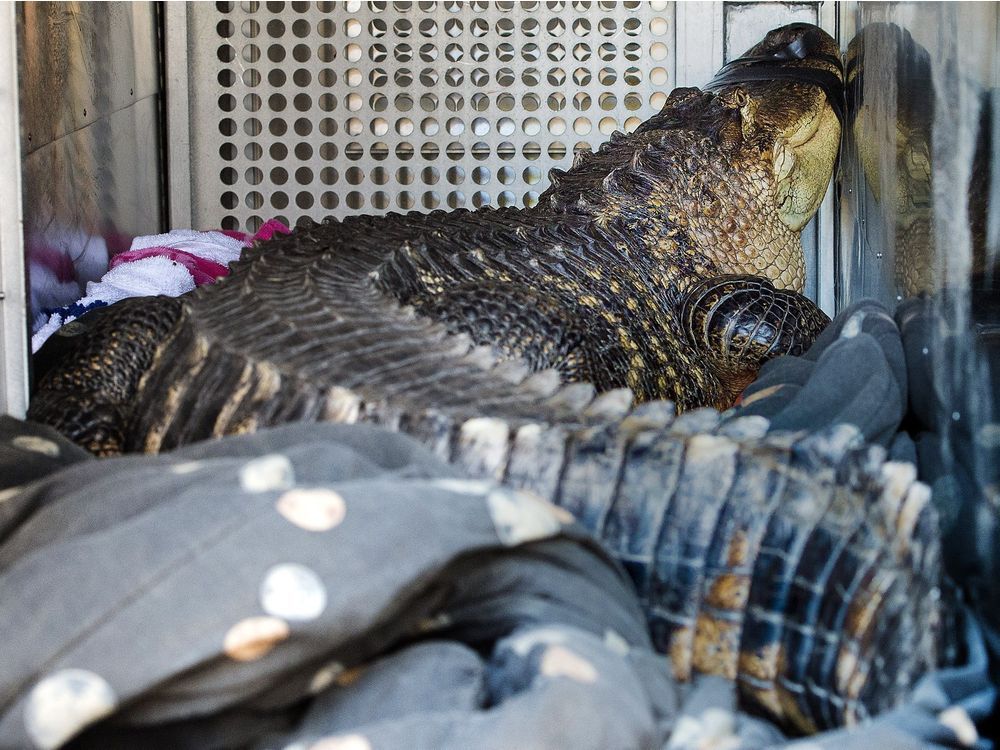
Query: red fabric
[[203, 271]]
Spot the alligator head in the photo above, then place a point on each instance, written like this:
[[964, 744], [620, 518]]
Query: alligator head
[[730, 174]]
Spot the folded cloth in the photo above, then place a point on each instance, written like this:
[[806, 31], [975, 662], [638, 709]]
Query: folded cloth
[[855, 372], [309, 581], [171, 264]]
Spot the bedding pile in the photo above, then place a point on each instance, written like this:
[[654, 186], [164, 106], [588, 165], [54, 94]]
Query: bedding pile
[[338, 588]]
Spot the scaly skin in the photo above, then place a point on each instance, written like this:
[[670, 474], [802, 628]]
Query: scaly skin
[[804, 568]]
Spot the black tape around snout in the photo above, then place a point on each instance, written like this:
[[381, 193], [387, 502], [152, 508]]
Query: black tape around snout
[[776, 67]]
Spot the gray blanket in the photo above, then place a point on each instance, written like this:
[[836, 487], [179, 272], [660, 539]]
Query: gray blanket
[[337, 588]]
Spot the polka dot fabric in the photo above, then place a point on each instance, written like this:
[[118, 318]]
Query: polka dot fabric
[[237, 578], [333, 108]]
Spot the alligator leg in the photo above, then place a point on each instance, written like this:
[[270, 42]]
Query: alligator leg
[[92, 403], [737, 323], [526, 323]]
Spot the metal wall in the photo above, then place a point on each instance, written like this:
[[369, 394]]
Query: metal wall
[[90, 139], [13, 327]]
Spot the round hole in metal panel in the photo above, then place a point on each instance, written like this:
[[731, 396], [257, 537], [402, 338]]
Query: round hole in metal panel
[[402, 27], [404, 151], [379, 175], [429, 52], [431, 199], [505, 199], [430, 151], [254, 200], [404, 126], [480, 199], [480, 102], [279, 175], [531, 150], [355, 200], [405, 200], [429, 126], [456, 199], [506, 151], [402, 53], [429, 176], [250, 53], [254, 175], [303, 151], [480, 151]]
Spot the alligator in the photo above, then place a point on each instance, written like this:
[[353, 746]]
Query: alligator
[[665, 265]]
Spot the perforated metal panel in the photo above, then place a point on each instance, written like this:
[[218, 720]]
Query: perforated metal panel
[[314, 109]]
